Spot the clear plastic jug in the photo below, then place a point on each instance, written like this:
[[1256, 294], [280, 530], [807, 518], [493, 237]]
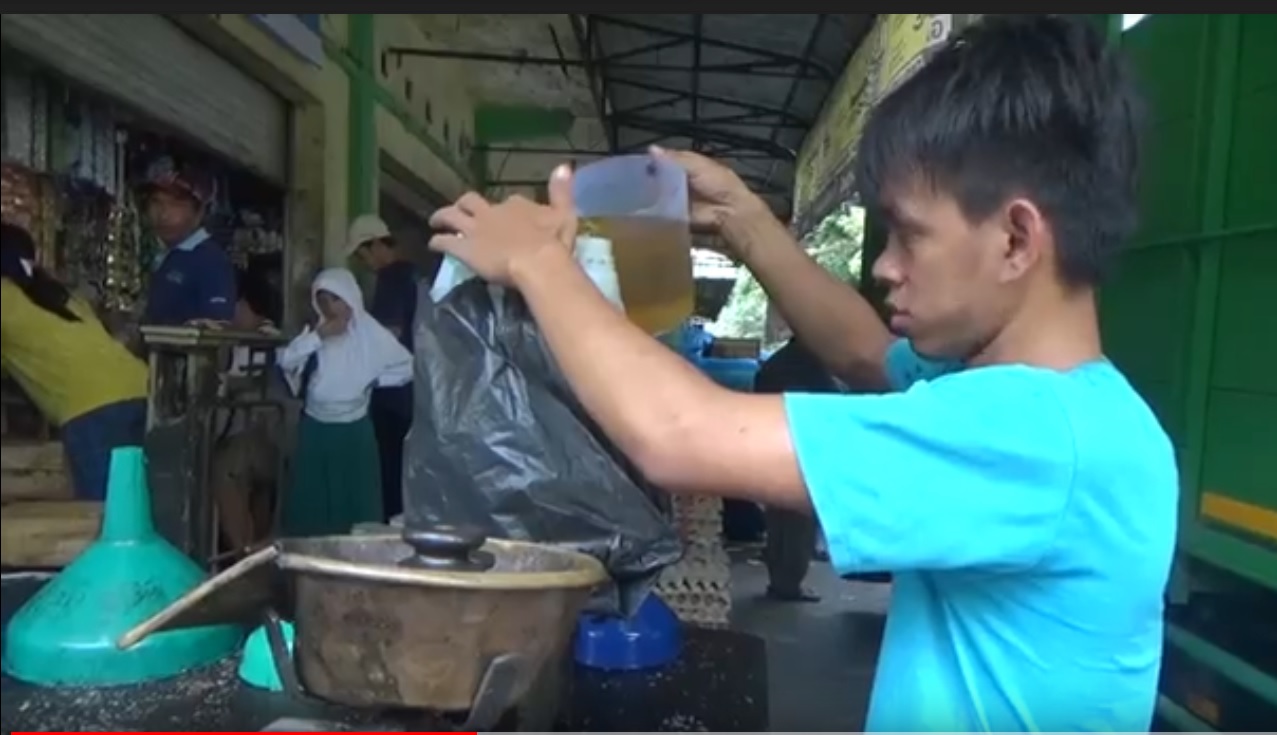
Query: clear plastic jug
[[640, 204]]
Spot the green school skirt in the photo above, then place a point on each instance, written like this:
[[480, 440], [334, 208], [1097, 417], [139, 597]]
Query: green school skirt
[[336, 479]]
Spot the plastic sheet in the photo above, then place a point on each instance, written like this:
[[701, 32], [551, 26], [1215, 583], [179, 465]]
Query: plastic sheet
[[499, 441]]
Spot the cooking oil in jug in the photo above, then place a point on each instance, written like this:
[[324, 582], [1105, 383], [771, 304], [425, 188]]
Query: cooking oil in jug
[[639, 203], [653, 265]]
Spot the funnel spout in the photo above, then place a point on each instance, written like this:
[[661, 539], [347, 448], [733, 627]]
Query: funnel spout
[[127, 513]]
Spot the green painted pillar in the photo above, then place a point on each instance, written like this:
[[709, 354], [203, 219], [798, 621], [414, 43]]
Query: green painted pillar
[[363, 168]]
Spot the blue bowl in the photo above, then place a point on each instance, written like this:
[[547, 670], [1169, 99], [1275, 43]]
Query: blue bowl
[[650, 639]]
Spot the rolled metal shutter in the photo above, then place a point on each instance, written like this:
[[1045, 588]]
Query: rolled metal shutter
[[147, 62]]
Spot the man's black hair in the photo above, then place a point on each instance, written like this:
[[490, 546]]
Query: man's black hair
[[42, 289], [256, 291], [1040, 106]]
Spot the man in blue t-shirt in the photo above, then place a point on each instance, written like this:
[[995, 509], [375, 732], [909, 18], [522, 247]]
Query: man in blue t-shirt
[[1020, 491], [394, 304], [194, 280]]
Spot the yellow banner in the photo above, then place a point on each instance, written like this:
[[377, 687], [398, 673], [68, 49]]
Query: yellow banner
[[831, 141], [905, 40], [893, 49]]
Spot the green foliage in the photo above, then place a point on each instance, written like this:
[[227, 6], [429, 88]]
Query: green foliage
[[835, 244]]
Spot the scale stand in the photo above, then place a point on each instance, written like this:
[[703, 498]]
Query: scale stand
[[492, 700], [188, 379]]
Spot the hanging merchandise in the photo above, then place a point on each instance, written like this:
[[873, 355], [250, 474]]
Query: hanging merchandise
[[125, 274], [39, 125], [19, 194], [17, 104], [253, 237], [86, 150], [66, 176], [106, 151], [61, 167]]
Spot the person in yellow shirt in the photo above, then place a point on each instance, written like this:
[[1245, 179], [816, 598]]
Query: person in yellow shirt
[[81, 379]]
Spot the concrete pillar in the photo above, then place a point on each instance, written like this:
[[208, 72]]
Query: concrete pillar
[[363, 154]]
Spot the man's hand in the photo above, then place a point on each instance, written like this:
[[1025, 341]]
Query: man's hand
[[496, 240], [830, 316], [720, 199], [330, 328]]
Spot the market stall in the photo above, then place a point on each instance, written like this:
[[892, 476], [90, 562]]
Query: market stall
[[74, 150]]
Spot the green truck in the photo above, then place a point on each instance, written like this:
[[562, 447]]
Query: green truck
[[1191, 317]]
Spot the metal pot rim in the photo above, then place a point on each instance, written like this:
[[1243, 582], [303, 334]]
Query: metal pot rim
[[584, 570]]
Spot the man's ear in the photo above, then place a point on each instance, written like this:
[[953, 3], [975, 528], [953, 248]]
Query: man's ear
[[1027, 236]]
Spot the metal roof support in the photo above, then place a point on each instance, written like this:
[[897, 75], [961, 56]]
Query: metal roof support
[[598, 91], [684, 130], [808, 50], [757, 70], [750, 106], [745, 118], [653, 105], [630, 53], [738, 154], [625, 118], [777, 59]]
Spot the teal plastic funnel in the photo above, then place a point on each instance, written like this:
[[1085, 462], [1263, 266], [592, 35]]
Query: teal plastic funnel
[[259, 667], [65, 636]]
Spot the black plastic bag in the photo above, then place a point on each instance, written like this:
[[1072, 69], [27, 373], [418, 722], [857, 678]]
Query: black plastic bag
[[499, 441]]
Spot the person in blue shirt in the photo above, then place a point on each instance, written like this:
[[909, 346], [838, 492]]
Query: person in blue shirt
[[194, 279], [791, 535], [394, 305], [1019, 489]]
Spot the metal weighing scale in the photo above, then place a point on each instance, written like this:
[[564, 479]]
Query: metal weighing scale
[[189, 389]]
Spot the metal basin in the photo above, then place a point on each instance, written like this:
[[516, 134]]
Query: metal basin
[[381, 622], [373, 631]]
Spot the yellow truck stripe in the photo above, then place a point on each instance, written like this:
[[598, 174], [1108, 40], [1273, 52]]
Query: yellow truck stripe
[[1244, 516]]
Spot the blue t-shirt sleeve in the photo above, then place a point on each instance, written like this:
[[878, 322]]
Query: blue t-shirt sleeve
[[905, 367], [215, 294], [973, 470]]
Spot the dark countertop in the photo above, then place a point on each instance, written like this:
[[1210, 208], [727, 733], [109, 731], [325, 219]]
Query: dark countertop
[[719, 684], [210, 700]]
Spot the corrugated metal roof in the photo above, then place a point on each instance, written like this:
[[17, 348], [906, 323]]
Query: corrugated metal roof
[[743, 88]]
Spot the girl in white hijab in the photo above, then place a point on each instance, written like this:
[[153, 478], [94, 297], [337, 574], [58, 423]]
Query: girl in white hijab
[[334, 368]]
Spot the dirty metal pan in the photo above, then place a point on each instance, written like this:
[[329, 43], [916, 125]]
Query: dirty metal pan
[[441, 621]]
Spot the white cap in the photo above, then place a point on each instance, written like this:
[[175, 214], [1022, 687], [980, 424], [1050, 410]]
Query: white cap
[[592, 250], [594, 254], [365, 229]]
